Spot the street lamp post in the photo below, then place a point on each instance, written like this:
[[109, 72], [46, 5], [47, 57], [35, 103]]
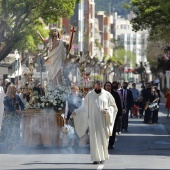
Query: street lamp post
[[18, 63], [102, 65], [40, 48], [142, 72]]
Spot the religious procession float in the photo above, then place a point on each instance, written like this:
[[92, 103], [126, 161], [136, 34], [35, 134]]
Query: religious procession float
[[44, 114]]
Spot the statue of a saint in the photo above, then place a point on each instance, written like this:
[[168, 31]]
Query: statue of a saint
[[56, 56]]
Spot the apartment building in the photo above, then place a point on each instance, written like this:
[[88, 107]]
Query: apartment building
[[98, 48], [84, 15], [10, 67], [135, 42], [105, 21], [132, 41]]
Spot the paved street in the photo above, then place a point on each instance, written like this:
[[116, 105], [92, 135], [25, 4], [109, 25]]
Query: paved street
[[145, 146]]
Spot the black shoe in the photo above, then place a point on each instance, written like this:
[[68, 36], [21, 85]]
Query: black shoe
[[101, 162], [125, 130], [110, 147], [96, 162]]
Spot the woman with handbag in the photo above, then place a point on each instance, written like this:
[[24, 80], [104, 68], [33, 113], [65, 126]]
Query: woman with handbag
[[147, 98], [11, 117], [155, 99]]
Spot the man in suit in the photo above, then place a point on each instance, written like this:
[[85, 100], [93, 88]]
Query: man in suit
[[127, 105], [118, 120], [112, 88]]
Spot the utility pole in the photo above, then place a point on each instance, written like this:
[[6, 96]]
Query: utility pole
[[18, 63], [41, 68], [40, 60]]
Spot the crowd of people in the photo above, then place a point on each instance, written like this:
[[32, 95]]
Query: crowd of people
[[103, 113]]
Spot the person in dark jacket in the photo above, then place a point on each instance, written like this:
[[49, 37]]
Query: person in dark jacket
[[155, 97], [147, 97], [40, 90], [120, 106], [118, 120], [127, 105], [108, 86], [141, 101], [7, 83]]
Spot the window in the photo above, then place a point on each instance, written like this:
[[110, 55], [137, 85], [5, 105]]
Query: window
[[128, 38], [143, 41], [85, 8], [139, 41], [123, 26]]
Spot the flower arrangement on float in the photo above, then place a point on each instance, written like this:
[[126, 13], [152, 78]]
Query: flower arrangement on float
[[54, 98]]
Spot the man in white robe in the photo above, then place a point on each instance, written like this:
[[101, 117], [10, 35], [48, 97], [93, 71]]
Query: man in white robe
[[92, 115]]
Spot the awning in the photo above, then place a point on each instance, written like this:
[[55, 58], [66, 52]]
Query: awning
[[128, 70]]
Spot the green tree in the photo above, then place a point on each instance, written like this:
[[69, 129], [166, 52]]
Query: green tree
[[152, 15], [154, 51], [19, 19], [120, 59], [121, 56], [158, 57]]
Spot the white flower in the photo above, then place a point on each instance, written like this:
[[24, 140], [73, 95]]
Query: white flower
[[51, 101], [33, 98], [27, 105], [51, 96], [56, 91], [54, 103], [42, 104]]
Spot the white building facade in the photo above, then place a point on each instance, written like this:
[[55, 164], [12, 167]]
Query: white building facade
[[135, 42]]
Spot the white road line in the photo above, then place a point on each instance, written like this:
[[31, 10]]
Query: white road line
[[100, 167]]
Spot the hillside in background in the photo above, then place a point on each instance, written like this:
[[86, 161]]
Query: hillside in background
[[112, 5]]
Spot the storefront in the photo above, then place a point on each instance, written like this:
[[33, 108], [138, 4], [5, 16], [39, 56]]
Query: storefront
[[3, 73]]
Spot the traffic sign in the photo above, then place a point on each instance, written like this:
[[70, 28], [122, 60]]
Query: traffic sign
[[168, 73]]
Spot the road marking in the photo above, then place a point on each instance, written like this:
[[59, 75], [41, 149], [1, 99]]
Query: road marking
[[100, 167]]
